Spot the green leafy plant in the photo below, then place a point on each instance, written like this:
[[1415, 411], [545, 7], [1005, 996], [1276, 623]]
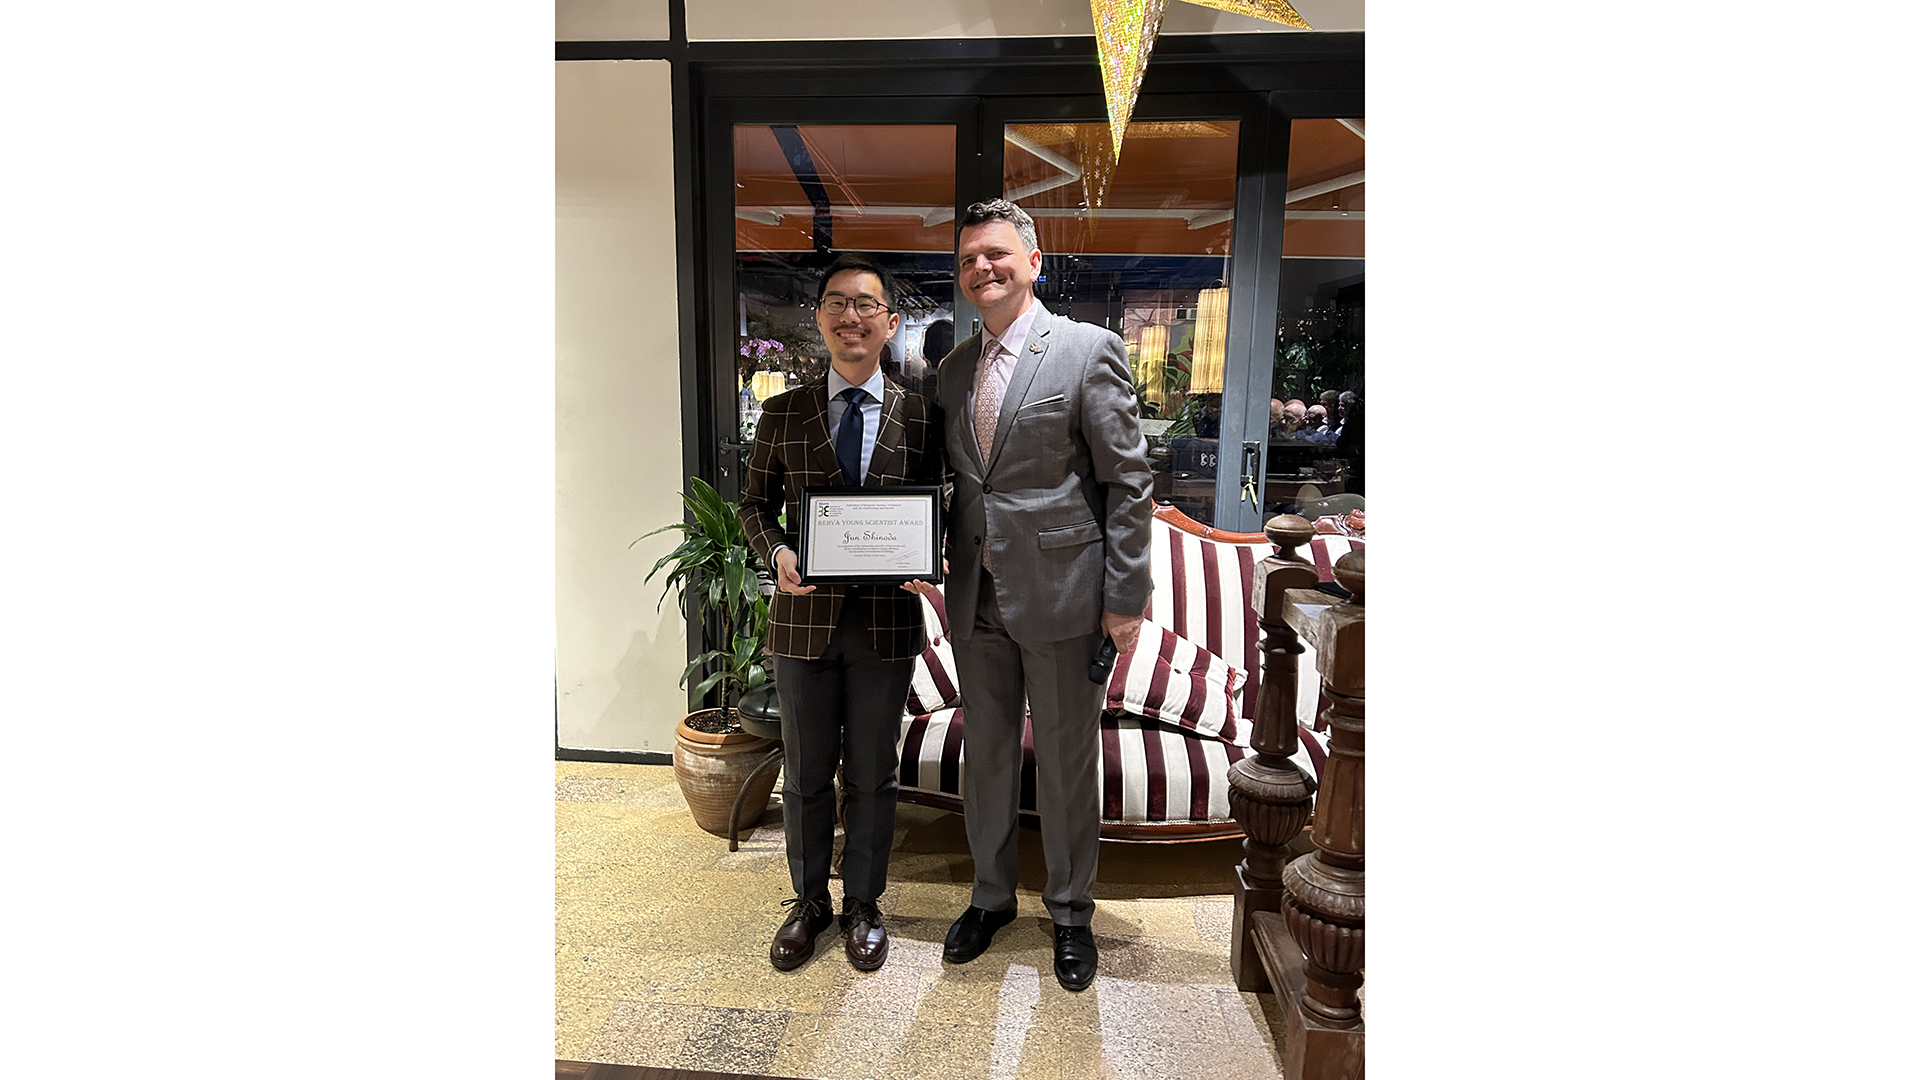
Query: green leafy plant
[[717, 575]]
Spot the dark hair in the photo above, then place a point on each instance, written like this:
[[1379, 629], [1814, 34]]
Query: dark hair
[[1001, 210], [851, 261], [938, 341]]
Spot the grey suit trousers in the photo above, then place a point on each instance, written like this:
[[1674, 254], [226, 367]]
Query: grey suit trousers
[[998, 678], [842, 708]]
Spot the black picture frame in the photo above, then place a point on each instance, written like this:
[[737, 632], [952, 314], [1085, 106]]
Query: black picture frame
[[802, 532]]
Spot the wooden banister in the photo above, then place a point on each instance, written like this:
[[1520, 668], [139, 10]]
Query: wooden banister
[[1315, 949], [1266, 792]]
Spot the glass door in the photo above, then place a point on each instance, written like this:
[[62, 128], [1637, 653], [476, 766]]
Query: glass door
[[790, 185], [805, 192], [1176, 246], [1315, 459], [1146, 246]]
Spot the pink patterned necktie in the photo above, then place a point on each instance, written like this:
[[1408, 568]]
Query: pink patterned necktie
[[986, 416], [986, 401]]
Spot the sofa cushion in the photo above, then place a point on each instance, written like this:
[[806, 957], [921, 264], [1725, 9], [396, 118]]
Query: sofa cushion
[[1168, 678], [1150, 774], [936, 680]]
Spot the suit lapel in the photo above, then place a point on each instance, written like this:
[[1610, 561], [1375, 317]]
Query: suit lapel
[[962, 367], [892, 431], [1031, 357], [826, 464]]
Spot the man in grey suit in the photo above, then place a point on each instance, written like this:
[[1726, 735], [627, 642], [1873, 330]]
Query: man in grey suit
[[1047, 550]]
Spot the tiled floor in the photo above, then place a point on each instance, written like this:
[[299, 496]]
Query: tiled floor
[[661, 956]]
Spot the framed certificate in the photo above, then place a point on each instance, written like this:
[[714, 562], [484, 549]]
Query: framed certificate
[[869, 535]]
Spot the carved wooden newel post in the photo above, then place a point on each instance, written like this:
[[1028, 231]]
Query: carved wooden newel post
[[1269, 796], [1325, 911]]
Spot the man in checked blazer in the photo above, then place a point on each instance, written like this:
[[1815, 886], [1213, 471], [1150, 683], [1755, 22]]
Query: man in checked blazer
[[1047, 549], [843, 654]]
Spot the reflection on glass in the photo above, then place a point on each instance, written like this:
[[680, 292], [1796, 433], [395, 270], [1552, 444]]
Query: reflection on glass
[[804, 193], [1143, 246], [1314, 462]]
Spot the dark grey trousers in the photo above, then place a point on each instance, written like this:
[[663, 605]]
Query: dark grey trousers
[[844, 707], [999, 678]]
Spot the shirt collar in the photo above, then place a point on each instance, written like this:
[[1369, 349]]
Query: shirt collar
[[1016, 336], [875, 387]]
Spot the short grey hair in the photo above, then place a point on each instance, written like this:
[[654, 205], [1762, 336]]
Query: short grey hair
[[1001, 210]]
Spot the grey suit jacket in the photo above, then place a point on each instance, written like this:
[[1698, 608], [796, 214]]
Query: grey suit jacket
[[1064, 498]]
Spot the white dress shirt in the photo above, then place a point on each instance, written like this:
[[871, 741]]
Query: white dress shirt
[[999, 366], [876, 389]]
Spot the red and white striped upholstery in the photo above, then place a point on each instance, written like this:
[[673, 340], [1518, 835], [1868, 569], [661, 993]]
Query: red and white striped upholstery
[[1176, 722]]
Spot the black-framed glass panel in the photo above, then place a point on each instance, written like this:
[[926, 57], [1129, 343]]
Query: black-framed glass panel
[[806, 192], [1143, 245], [1315, 460]]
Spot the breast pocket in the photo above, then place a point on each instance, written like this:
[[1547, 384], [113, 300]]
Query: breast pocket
[[1086, 532], [1046, 423]]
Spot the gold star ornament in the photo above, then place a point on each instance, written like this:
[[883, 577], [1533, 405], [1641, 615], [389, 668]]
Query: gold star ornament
[[1271, 10], [1124, 31]]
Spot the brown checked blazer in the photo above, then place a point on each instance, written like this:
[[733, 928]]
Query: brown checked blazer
[[792, 450]]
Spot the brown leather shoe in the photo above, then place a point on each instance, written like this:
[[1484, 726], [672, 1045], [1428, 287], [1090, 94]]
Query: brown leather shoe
[[866, 935], [793, 942]]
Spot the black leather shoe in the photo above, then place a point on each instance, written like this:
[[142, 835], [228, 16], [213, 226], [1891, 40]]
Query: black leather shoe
[[793, 942], [1074, 956], [866, 935], [973, 931]]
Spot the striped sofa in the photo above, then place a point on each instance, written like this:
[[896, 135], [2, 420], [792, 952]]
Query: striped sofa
[[1179, 704]]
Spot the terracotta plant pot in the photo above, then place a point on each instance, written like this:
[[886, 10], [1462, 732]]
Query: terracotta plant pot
[[712, 768]]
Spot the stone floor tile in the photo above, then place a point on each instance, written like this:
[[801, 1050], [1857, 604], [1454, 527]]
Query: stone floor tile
[[1158, 960], [606, 971], [732, 1040], [754, 983], [661, 938], [1213, 919], [642, 1033], [576, 1024], [832, 1047]]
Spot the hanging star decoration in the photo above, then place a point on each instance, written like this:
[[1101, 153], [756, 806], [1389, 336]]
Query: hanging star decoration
[[1125, 31], [1271, 10]]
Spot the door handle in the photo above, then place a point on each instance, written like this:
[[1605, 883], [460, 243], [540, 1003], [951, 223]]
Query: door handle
[[1250, 472]]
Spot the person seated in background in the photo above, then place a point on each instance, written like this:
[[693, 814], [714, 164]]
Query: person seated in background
[[1293, 417], [1316, 424], [1330, 404], [1206, 418], [1348, 399], [1350, 444], [935, 346]]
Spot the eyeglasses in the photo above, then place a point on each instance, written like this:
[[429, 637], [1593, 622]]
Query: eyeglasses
[[864, 306]]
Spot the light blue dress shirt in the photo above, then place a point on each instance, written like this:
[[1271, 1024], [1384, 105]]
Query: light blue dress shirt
[[876, 389]]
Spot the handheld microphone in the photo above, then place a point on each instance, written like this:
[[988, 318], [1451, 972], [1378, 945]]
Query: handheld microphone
[[1102, 667]]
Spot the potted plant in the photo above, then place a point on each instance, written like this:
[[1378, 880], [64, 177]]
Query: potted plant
[[718, 578]]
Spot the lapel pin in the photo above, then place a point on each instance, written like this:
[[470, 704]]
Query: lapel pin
[[1034, 348]]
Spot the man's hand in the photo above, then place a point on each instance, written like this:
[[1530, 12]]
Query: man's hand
[[1121, 628], [925, 588], [786, 569]]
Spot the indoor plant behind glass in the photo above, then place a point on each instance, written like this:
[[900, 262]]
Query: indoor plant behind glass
[[718, 577]]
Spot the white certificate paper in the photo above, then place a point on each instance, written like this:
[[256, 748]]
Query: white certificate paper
[[874, 534]]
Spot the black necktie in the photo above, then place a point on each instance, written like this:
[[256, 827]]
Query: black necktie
[[846, 443]]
